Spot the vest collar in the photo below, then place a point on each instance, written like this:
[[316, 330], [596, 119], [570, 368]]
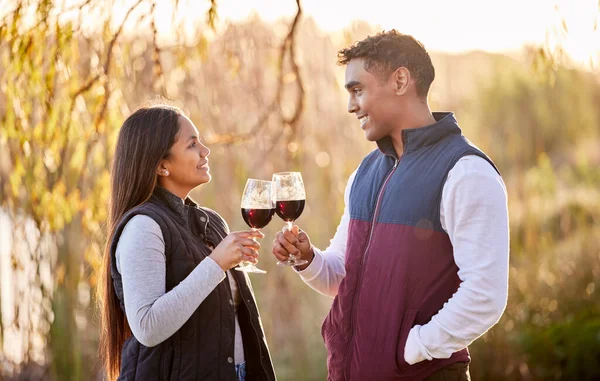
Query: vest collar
[[176, 204], [415, 138]]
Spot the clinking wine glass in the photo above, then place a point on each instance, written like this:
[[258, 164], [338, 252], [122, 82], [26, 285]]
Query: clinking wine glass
[[257, 211], [290, 197]]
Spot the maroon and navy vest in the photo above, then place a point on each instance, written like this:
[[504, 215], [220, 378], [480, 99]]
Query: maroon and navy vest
[[400, 268]]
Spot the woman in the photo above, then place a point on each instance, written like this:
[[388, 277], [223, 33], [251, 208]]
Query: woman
[[171, 307]]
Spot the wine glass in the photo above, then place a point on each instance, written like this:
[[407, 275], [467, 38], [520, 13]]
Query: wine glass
[[257, 211], [289, 196]]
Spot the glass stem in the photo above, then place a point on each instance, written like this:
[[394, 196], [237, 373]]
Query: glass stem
[[248, 263], [289, 226], [255, 230]]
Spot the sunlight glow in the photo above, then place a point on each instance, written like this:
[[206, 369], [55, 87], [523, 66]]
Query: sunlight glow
[[442, 26], [451, 26]]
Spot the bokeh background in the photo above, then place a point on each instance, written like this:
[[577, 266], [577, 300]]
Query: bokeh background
[[260, 80]]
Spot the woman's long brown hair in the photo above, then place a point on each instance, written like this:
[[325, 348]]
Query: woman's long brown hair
[[144, 139]]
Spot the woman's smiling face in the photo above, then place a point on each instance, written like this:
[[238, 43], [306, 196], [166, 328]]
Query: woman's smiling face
[[186, 166]]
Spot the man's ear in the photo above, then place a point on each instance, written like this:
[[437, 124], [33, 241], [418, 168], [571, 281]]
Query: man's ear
[[401, 80]]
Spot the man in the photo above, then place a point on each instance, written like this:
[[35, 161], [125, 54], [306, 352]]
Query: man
[[419, 263]]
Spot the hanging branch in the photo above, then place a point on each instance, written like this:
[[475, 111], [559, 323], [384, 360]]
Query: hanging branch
[[157, 65], [211, 16], [77, 6], [100, 115], [105, 75], [288, 45], [228, 139], [95, 140]]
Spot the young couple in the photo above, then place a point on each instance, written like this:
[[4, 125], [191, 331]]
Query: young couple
[[418, 267]]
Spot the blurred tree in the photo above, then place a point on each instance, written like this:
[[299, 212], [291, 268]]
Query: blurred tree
[[550, 56], [61, 108], [268, 97], [544, 136]]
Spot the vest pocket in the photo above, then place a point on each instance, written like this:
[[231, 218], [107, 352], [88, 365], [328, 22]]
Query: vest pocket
[[408, 322]]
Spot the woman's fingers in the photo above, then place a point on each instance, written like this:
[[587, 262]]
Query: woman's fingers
[[249, 255], [247, 242], [249, 234]]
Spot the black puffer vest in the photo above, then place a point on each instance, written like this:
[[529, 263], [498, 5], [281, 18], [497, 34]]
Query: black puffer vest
[[203, 348]]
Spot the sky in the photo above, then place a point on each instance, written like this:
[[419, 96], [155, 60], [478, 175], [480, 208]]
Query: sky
[[449, 26], [441, 25]]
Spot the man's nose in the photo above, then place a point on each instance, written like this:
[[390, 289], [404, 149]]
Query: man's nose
[[352, 107]]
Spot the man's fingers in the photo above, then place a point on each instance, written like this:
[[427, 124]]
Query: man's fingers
[[283, 241], [279, 249], [279, 252], [290, 237], [281, 257], [302, 236]]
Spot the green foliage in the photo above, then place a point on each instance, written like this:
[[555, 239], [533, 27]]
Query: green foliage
[[542, 136], [522, 117], [565, 350]]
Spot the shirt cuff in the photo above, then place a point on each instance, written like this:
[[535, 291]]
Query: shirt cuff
[[214, 272], [433, 334], [314, 268], [414, 350]]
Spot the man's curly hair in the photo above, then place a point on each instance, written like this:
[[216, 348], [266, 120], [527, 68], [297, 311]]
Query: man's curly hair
[[387, 51]]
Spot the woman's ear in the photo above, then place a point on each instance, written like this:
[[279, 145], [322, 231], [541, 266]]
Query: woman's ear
[[163, 169]]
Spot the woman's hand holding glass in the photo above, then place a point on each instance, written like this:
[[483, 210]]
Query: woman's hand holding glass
[[237, 247], [257, 211]]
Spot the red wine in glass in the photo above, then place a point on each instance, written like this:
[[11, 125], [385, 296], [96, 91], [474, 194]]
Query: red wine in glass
[[257, 218], [290, 197], [257, 211], [289, 210]]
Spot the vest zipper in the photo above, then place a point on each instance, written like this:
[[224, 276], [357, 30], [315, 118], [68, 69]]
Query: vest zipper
[[362, 261]]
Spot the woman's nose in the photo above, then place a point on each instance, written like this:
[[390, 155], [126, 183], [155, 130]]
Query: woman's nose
[[205, 151]]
